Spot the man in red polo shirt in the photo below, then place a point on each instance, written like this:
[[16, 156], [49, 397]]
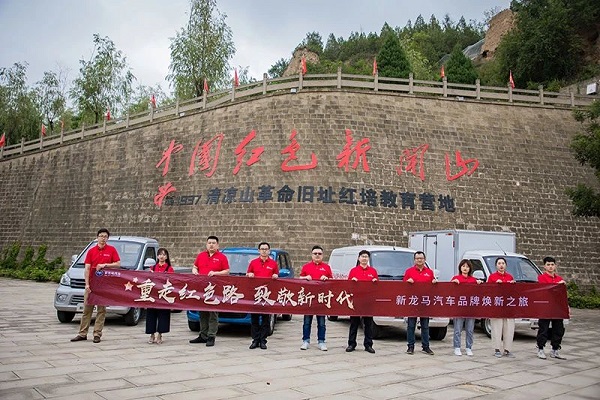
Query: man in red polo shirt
[[97, 258], [422, 274], [261, 267], [557, 331], [211, 263]]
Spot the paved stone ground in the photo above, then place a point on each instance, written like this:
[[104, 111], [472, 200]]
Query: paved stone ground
[[38, 361]]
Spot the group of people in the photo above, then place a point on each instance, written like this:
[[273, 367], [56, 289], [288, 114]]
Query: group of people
[[212, 262]]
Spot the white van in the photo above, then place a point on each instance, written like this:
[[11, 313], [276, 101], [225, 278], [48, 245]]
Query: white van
[[390, 262]]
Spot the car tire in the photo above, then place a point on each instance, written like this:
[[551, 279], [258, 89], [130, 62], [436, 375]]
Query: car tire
[[272, 318], [486, 324], [65, 316], [286, 317], [332, 317], [194, 326], [438, 333], [133, 316]]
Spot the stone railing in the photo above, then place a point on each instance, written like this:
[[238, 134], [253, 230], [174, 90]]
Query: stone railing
[[294, 84]]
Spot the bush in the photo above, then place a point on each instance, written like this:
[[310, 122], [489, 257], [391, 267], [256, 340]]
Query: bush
[[31, 267], [577, 299]]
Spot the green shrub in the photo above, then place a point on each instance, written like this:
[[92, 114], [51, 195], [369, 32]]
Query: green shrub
[[31, 267], [577, 299]]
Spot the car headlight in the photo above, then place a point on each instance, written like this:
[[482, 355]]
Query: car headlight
[[65, 280]]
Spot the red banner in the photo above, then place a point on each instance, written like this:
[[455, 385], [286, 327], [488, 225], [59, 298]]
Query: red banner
[[331, 297]]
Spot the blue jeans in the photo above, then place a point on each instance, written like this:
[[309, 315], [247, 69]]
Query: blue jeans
[[469, 324], [320, 328], [410, 332]]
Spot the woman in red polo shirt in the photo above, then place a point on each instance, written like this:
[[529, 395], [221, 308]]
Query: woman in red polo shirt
[[465, 270]]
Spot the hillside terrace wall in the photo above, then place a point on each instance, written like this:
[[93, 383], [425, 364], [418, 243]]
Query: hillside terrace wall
[[411, 164]]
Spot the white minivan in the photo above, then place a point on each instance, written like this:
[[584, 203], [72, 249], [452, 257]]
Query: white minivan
[[390, 262]]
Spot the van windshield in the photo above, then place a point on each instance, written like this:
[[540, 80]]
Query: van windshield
[[129, 253], [521, 268], [391, 264], [238, 262]]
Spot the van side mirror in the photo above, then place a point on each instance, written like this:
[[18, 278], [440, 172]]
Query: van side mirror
[[149, 263], [284, 273], [479, 275], [73, 258]]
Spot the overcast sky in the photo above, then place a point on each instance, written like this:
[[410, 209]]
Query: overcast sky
[[51, 33]]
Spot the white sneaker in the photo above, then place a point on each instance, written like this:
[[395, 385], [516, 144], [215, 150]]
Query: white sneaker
[[469, 352], [542, 355], [457, 351], [556, 354], [304, 346], [322, 347]]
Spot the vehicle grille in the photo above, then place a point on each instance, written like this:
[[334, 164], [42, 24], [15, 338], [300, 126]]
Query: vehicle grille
[[78, 283], [76, 300]]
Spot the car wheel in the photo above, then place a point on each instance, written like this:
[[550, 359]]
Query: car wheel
[[486, 324], [133, 316], [272, 319], [286, 317], [332, 317], [194, 326], [65, 316], [376, 331], [438, 333]]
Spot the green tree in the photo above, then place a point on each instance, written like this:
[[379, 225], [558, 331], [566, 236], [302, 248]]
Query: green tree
[[105, 81], [19, 113], [313, 41], [277, 69], [140, 99], [392, 60], [201, 50], [586, 145], [51, 97], [459, 69]]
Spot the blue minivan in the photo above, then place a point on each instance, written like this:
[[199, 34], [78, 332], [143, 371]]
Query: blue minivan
[[239, 258]]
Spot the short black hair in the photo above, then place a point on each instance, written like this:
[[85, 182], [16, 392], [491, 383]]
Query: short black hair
[[500, 258], [103, 230], [264, 243], [315, 247], [549, 260], [419, 252], [367, 252], [213, 237]]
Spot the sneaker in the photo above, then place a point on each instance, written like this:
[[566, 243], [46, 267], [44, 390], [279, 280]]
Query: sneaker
[[199, 339], [497, 353], [304, 346], [469, 352], [508, 354], [322, 347], [427, 350], [542, 355], [96, 339], [210, 342], [457, 352], [410, 350], [556, 354]]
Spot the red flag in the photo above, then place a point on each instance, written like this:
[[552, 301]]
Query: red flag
[[107, 114], [375, 70], [303, 65], [205, 86], [43, 129], [153, 101], [3, 140], [510, 80], [236, 81], [442, 72]]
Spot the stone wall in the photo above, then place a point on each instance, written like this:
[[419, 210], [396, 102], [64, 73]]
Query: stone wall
[[60, 197]]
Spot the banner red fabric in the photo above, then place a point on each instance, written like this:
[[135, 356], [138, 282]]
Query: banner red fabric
[[3, 140], [331, 297], [511, 80]]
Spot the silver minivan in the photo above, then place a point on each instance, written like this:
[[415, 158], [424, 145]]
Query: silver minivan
[[136, 253], [391, 263]]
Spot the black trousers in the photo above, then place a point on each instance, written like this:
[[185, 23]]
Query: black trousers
[[555, 333], [259, 328], [158, 321], [368, 324]]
